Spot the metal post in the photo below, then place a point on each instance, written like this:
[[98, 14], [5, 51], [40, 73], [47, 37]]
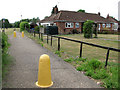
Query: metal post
[[39, 35], [42, 36], [107, 57], [34, 33], [51, 40], [47, 38], [81, 50], [58, 43]]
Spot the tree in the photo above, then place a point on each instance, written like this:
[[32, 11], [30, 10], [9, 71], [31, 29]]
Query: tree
[[17, 24], [81, 10], [24, 25], [46, 17], [6, 23], [87, 29]]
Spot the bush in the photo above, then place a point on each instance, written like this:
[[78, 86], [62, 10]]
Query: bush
[[24, 25], [75, 31], [6, 58], [37, 29], [5, 43], [87, 29]]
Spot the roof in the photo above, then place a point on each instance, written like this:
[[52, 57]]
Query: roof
[[72, 16], [112, 19]]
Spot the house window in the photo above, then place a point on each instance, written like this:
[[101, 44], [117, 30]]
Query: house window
[[77, 25], [103, 25], [108, 26], [99, 27], [69, 25]]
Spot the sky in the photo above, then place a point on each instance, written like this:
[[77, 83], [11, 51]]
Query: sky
[[13, 9]]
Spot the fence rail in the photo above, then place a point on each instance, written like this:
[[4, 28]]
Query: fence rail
[[81, 44]]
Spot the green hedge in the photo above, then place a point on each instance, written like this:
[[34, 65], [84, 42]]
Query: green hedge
[[23, 25], [6, 58]]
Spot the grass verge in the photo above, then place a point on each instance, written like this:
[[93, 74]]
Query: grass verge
[[108, 77]]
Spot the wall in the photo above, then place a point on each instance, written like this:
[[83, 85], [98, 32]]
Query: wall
[[63, 30]]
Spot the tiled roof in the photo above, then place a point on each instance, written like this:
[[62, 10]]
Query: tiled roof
[[72, 16], [112, 19]]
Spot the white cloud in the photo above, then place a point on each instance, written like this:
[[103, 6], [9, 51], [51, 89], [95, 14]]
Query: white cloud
[[13, 9]]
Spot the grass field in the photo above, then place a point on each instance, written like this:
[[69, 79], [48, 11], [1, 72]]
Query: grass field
[[72, 49]]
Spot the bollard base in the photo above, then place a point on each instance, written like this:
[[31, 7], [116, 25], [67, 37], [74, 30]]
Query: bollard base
[[44, 86]]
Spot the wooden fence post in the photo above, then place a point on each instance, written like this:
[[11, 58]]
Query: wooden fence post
[[81, 50], [58, 43], [51, 40], [107, 56]]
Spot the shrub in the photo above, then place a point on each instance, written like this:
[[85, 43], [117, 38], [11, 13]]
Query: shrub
[[87, 29], [24, 25], [75, 31], [5, 43], [37, 29]]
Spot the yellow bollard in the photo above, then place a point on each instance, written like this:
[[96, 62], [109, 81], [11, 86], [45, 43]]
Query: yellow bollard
[[22, 33], [14, 33], [44, 72]]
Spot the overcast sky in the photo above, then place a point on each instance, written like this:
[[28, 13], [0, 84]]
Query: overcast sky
[[13, 9]]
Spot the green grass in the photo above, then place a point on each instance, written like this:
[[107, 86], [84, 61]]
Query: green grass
[[73, 49], [95, 69]]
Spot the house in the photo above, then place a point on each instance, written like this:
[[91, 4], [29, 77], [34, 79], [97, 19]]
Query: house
[[32, 25], [67, 21], [115, 22]]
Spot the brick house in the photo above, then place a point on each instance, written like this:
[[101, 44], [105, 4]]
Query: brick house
[[67, 21], [115, 22]]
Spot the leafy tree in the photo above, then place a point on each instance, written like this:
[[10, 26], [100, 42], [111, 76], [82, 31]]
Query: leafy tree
[[17, 24], [81, 10], [87, 29], [0, 23], [24, 25], [6, 24]]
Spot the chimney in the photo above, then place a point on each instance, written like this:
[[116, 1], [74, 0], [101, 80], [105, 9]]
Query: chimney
[[55, 10], [99, 13], [108, 16]]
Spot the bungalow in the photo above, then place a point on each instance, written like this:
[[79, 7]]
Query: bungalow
[[67, 21], [115, 22]]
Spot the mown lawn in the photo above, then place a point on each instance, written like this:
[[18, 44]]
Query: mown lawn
[[90, 52]]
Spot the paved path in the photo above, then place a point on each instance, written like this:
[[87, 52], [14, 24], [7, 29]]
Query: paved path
[[24, 71]]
